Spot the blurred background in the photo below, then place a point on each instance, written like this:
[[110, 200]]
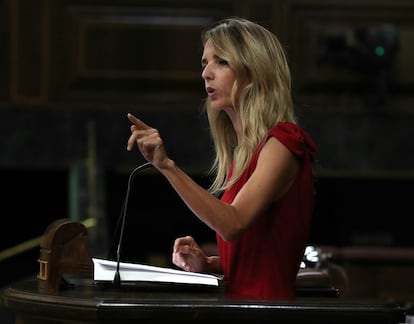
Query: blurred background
[[70, 71]]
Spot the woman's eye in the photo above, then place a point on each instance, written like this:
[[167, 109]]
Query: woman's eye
[[223, 62]]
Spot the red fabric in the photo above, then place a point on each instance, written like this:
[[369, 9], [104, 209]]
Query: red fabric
[[263, 262]]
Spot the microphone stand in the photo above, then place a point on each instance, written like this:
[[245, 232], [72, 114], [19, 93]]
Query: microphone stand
[[117, 277]]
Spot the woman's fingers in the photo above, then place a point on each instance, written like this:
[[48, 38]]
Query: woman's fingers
[[138, 130], [183, 241], [137, 122]]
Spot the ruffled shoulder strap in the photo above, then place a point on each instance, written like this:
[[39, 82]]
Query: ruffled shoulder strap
[[295, 139]]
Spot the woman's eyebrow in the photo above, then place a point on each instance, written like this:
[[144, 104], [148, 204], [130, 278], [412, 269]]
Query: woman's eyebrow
[[215, 57]]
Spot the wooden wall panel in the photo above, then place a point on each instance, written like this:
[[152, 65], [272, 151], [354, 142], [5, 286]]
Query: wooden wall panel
[[29, 55], [341, 49], [83, 53], [136, 55]]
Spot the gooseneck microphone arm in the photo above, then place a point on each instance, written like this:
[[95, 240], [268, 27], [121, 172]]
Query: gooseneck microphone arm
[[117, 277]]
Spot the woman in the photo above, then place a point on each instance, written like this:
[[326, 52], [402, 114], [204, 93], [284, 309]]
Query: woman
[[263, 166]]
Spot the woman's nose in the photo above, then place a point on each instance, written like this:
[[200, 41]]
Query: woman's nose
[[207, 73]]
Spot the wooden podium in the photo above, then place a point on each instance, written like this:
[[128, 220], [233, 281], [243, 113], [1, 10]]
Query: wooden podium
[[89, 303], [64, 252]]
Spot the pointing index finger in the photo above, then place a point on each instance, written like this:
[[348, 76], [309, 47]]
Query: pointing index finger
[[137, 122]]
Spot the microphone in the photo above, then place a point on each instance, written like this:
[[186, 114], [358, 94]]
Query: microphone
[[117, 277]]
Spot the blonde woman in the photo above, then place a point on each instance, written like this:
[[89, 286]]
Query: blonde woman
[[261, 200]]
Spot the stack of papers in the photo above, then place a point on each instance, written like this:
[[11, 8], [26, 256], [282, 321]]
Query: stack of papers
[[104, 270]]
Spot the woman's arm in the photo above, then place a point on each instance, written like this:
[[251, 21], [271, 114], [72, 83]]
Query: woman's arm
[[275, 172]]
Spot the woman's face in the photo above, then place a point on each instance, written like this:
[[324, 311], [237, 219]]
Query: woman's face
[[218, 79]]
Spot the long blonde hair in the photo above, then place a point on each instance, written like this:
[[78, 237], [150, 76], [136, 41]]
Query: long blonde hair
[[261, 93]]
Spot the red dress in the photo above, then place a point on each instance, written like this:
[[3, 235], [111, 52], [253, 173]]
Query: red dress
[[263, 262]]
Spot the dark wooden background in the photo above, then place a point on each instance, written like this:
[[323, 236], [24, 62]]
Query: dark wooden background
[[70, 70]]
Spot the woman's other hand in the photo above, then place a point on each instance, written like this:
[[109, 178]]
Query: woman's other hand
[[188, 256]]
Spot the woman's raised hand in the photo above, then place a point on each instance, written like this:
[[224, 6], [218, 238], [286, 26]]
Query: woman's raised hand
[[149, 142]]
